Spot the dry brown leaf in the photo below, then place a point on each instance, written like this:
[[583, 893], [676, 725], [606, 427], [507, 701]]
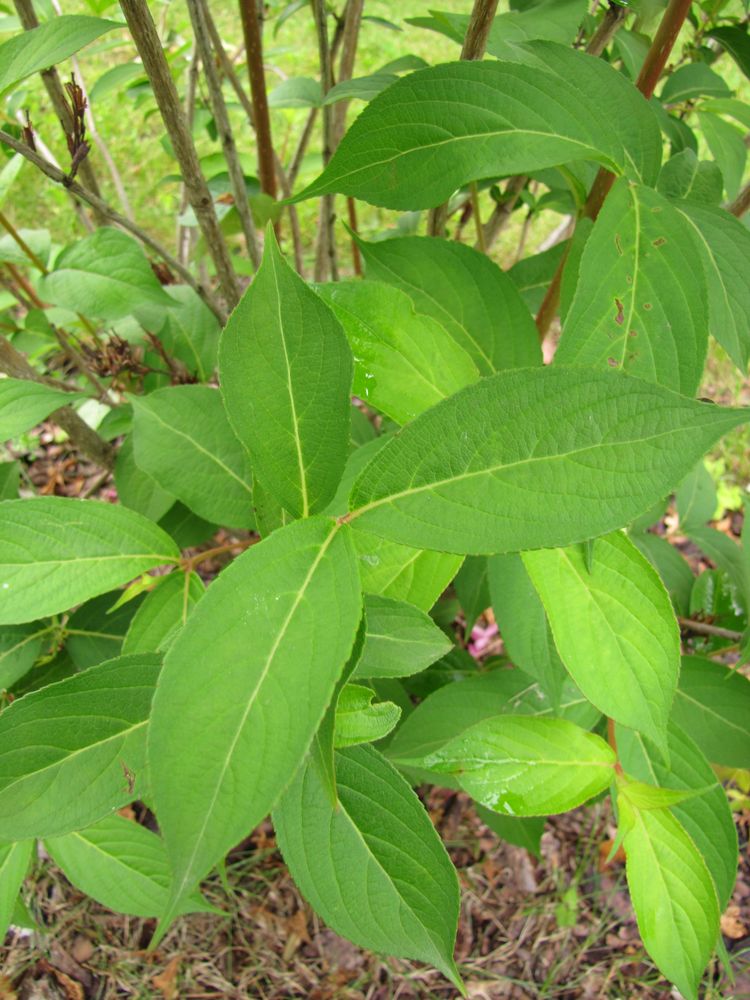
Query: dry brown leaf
[[731, 925], [166, 980]]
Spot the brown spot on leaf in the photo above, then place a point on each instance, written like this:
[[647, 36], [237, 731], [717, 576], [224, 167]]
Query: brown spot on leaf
[[618, 243], [612, 362], [659, 241], [620, 315], [647, 306], [632, 333]]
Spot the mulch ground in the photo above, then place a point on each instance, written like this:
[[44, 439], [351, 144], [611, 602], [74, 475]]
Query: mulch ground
[[560, 927]]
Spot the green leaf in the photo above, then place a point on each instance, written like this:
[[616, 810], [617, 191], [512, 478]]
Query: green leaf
[[685, 176], [23, 404], [185, 527], [523, 623], [50, 43], [555, 20], [614, 629], [465, 292], [724, 245], [121, 865], [694, 80], [473, 590], [191, 331], [403, 573], [532, 275], [713, 705], [452, 709], [14, 864], [136, 489], [75, 751], [296, 92], [361, 88], [671, 566], [403, 362], [736, 41], [10, 480], [183, 440], [106, 275], [286, 373], [696, 497], [8, 175], [400, 639], [706, 817], [523, 831], [640, 302], [722, 550], [56, 552], [20, 645], [163, 613], [673, 895], [525, 766], [280, 622], [95, 631], [374, 869], [117, 79], [531, 458], [358, 720], [483, 119], [727, 145]]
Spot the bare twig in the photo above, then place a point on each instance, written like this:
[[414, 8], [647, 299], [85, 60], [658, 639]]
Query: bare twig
[[14, 364], [55, 174], [349, 40], [703, 628], [741, 203], [607, 28], [185, 234], [146, 38], [325, 251], [250, 15], [53, 86], [229, 72], [224, 128]]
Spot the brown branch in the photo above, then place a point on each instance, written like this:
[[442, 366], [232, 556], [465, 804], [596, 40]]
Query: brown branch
[[196, 10], [146, 39], [653, 66], [250, 15], [607, 28], [53, 86], [478, 31], [325, 250], [228, 70], [86, 440], [185, 234], [741, 203], [349, 41], [111, 215], [703, 628]]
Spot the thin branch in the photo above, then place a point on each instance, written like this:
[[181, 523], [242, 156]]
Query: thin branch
[[741, 203], [55, 174], [653, 66], [250, 16], [608, 27], [502, 211], [325, 251], [86, 440], [53, 86], [224, 128], [146, 39], [478, 31], [185, 234], [229, 72], [703, 628], [349, 41]]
